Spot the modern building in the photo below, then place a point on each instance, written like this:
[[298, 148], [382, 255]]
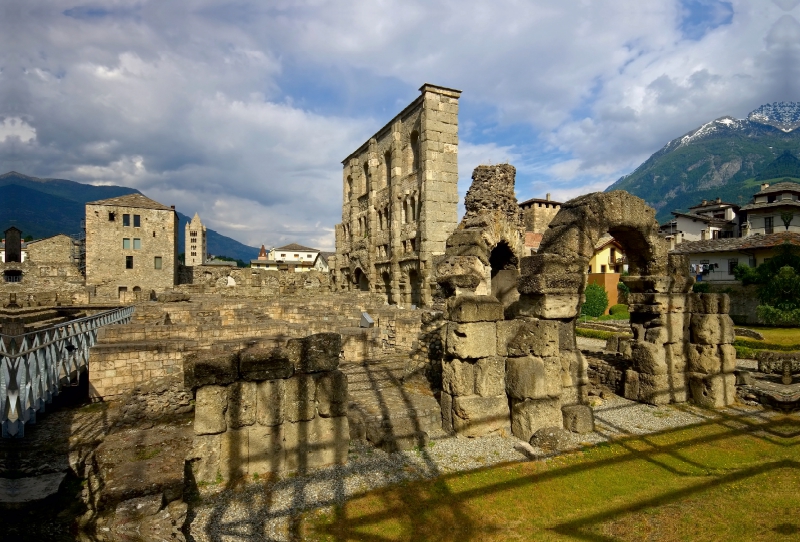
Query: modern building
[[773, 209], [196, 252], [714, 219], [131, 246], [293, 257], [400, 192]]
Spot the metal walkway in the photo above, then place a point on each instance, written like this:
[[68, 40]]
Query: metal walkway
[[34, 366]]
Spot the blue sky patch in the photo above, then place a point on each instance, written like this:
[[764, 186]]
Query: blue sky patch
[[702, 16]]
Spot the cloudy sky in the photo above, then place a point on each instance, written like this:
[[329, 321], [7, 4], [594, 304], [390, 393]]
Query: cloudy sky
[[243, 110]]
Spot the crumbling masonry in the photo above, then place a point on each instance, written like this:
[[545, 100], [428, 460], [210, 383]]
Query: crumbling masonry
[[400, 201]]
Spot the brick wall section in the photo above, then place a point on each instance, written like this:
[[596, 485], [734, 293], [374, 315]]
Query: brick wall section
[[53, 249]]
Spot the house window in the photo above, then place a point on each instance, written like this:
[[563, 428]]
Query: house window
[[590, 269], [296, 255], [157, 262], [602, 268], [128, 262], [283, 255], [126, 220], [126, 244], [768, 225], [137, 221], [137, 244], [732, 263], [112, 216], [308, 255]]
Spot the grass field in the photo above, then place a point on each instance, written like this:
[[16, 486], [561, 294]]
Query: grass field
[[785, 336], [729, 479]]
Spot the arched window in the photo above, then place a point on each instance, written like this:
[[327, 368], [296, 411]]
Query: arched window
[[367, 179], [349, 194], [413, 206], [414, 143]]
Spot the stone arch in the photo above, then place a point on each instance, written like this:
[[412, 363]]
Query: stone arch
[[414, 287], [361, 280], [387, 286], [414, 151]]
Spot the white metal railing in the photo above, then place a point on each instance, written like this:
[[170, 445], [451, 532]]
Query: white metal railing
[[35, 365]]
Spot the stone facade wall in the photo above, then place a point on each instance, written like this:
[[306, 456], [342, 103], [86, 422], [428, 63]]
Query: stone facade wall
[[44, 284], [265, 410], [196, 249], [106, 259], [53, 249], [251, 282], [400, 201]]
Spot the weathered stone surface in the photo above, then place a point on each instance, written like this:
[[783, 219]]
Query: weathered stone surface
[[234, 457], [662, 389], [574, 368], [704, 358], [461, 273], [530, 415], [30, 488], [259, 363], [490, 376], [271, 402], [675, 357], [470, 341], [172, 297], [727, 354], [535, 338], [317, 443], [631, 385], [712, 329], [331, 394], [578, 418], [713, 391], [204, 457], [241, 409], [475, 416], [301, 397], [315, 353], [446, 404], [265, 449], [469, 308], [552, 439], [533, 377], [458, 377], [142, 519], [206, 368], [551, 283], [549, 306], [649, 358], [211, 402]]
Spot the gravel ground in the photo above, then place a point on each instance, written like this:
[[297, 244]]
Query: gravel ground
[[587, 343], [260, 511]]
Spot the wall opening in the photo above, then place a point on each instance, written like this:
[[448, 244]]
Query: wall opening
[[387, 159], [362, 280], [414, 143], [387, 287], [414, 284]]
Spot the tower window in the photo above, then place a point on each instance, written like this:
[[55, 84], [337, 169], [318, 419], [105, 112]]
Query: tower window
[[128, 262]]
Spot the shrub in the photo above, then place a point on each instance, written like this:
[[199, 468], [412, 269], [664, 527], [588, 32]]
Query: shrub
[[618, 309], [701, 288], [596, 301]]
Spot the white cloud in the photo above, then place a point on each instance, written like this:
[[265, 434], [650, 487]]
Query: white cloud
[[243, 111]]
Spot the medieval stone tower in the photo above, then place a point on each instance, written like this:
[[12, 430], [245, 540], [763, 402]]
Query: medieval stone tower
[[196, 249], [400, 201]]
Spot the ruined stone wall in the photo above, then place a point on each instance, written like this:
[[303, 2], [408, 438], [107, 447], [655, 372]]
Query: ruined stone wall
[[251, 282], [266, 410], [106, 258], [400, 201], [44, 283], [53, 249]]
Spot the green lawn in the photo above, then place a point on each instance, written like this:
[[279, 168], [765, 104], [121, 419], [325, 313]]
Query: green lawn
[[785, 336], [729, 479]]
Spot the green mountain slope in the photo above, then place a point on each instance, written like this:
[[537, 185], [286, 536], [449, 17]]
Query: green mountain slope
[[45, 207], [726, 158]]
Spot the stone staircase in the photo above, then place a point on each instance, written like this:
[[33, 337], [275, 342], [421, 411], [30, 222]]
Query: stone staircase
[[384, 411]]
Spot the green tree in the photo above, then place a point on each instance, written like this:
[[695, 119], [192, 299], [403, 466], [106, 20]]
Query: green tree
[[596, 301], [778, 281]]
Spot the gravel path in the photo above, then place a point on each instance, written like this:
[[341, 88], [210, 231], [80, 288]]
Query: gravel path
[[258, 511]]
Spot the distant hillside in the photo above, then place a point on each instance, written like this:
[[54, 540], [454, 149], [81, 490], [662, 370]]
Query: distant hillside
[[725, 158], [45, 207]]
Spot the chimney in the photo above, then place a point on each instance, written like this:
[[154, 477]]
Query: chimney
[[172, 207], [13, 245], [704, 203], [719, 200], [548, 196], [764, 186]]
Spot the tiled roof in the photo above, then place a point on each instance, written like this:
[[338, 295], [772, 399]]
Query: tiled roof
[[295, 246], [780, 187], [714, 204], [533, 239], [132, 200], [774, 204], [702, 218], [539, 200], [738, 243]]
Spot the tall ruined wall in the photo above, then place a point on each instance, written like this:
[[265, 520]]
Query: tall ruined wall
[[400, 201]]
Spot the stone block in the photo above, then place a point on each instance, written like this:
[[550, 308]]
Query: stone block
[[470, 341], [265, 449], [661, 389], [241, 410], [574, 368], [553, 282], [704, 358], [204, 457], [535, 338], [205, 368], [211, 402], [234, 454], [446, 405], [547, 306], [301, 400], [331, 394], [533, 377], [506, 330], [475, 416], [649, 358], [468, 308], [727, 354], [490, 376], [706, 329], [258, 363], [316, 443], [631, 391], [543, 263], [530, 415], [315, 353], [578, 418], [713, 391], [676, 358], [458, 377], [271, 402]]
